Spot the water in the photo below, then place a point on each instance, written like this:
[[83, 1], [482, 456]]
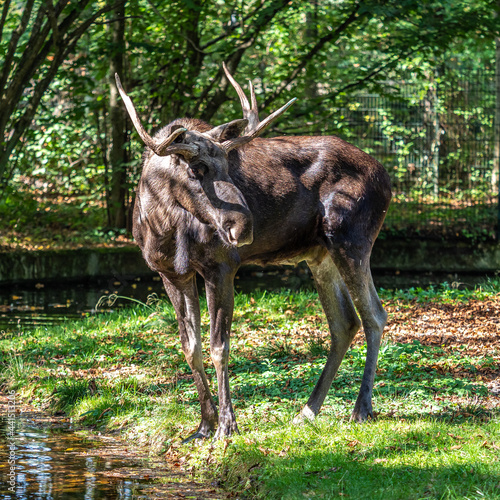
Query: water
[[36, 304], [53, 462]]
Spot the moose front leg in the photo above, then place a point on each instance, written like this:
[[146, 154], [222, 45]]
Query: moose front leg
[[184, 297], [220, 299]]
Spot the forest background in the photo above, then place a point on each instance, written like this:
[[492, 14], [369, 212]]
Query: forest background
[[411, 82]]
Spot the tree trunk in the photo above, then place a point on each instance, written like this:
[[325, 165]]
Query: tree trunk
[[311, 36], [117, 201], [435, 142], [433, 136]]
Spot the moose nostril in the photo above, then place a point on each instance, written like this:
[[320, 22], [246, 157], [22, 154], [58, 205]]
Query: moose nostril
[[238, 232], [241, 236], [234, 234]]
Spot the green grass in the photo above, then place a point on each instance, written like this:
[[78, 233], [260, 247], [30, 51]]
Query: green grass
[[444, 293], [414, 458], [437, 434]]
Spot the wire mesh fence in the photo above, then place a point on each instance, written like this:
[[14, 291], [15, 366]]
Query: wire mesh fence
[[437, 142]]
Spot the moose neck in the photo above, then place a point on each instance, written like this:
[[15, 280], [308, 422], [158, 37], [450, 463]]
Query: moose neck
[[163, 228]]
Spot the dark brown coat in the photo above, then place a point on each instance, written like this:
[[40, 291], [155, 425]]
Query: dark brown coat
[[211, 199]]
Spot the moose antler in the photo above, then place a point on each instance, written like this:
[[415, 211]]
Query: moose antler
[[161, 147], [250, 113], [255, 127]]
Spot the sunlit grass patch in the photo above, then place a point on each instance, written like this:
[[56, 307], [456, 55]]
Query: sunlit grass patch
[[330, 458]]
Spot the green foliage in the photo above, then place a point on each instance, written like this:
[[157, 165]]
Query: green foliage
[[445, 292], [328, 54]]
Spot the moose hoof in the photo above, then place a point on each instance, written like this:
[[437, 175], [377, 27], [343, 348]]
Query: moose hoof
[[196, 435], [305, 415], [362, 413]]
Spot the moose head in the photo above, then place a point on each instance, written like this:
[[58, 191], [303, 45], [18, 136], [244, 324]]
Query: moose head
[[199, 164]]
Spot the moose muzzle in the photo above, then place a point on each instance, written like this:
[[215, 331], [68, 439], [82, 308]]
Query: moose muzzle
[[235, 219], [238, 228]]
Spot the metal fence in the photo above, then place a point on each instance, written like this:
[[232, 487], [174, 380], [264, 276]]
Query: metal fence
[[437, 143]]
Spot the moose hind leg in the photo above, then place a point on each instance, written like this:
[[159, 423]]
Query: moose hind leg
[[342, 321], [355, 269], [184, 297]]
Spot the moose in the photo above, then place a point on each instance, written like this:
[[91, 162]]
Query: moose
[[211, 199]]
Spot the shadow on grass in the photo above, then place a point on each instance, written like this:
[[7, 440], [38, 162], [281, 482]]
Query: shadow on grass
[[408, 374]]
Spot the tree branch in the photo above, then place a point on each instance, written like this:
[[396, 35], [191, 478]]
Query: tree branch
[[234, 59], [80, 30], [117, 19], [232, 27], [36, 52], [376, 71], [62, 51], [14, 40], [5, 10], [208, 88], [53, 21], [39, 32], [157, 12], [360, 81]]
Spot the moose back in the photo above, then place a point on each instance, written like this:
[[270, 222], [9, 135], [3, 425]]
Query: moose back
[[213, 198]]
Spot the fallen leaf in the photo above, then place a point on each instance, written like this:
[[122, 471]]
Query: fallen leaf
[[284, 451], [354, 443]]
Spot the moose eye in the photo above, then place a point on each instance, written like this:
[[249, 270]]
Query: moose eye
[[197, 171]]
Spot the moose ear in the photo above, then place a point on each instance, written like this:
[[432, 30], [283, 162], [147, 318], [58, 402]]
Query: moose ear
[[180, 137], [228, 131]]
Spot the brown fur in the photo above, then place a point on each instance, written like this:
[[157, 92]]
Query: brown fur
[[271, 201]]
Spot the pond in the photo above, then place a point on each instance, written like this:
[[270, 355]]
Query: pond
[[51, 461], [35, 304]]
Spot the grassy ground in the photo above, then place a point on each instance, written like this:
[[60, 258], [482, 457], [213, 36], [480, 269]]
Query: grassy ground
[[437, 394]]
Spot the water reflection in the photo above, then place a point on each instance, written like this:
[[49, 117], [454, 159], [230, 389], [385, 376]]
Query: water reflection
[[38, 304], [52, 462]]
